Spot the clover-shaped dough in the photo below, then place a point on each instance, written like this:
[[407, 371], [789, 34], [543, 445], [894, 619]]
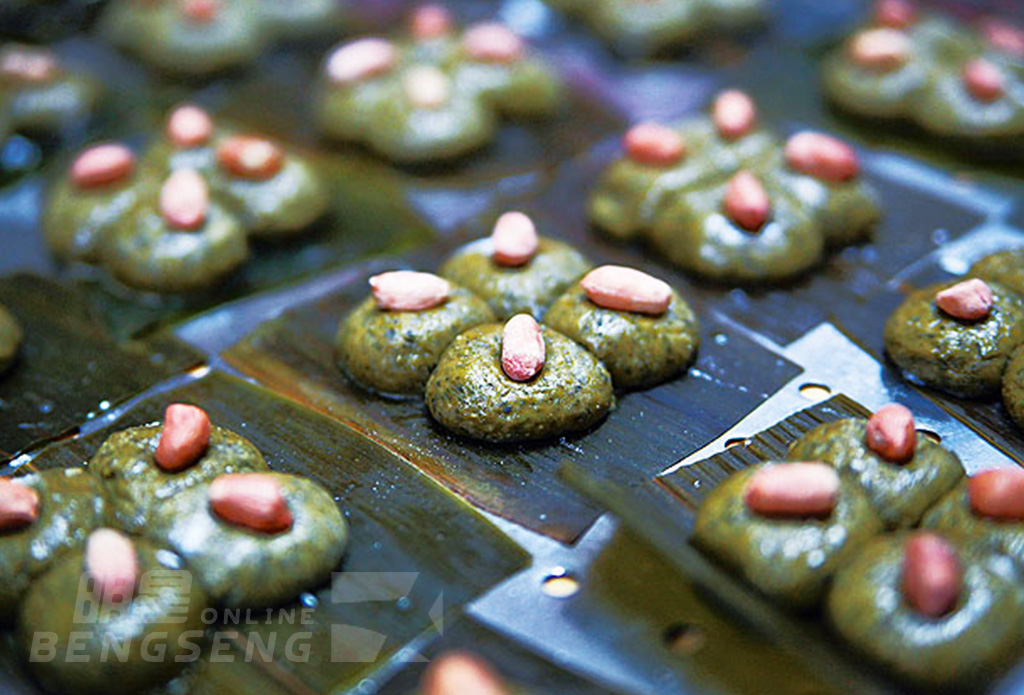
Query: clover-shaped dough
[[127, 214], [436, 95]]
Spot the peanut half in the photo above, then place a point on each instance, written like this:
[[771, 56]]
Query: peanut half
[[891, 433], [626, 289], [184, 438], [805, 489], [252, 500], [932, 576]]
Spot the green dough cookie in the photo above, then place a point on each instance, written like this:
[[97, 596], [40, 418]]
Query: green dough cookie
[[1004, 268], [11, 337], [76, 222], [143, 252], [165, 617], [963, 358], [139, 490], [467, 99], [639, 350], [238, 567], [789, 560], [394, 352], [1013, 386], [966, 647], [71, 504], [693, 233], [470, 394], [161, 35], [952, 516], [47, 105], [527, 289], [899, 492]]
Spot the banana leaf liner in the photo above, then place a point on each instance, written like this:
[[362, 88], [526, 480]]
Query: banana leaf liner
[[70, 368], [295, 356], [416, 552]]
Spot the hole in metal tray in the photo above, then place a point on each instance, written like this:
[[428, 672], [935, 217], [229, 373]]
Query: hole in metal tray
[[815, 392], [560, 584]]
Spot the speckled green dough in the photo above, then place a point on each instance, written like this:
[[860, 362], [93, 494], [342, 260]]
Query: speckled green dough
[[963, 358], [952, 516], [161, 36], [11, 336], [527, 289], [470, 394], [142, 251], [1013, 386], [379, 112], [1005, 268], [76, 222], [789, 560], [899, 492], [928, 89], [845, 211], [238, 567], [639, 350], [139, 490], [71, 504], [981, 635], [167, 609], [394, 352], [693, 233], [282, 206]]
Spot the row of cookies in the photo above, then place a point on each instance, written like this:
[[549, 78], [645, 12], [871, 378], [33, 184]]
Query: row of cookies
[[166, 521], [471, 339], [875, 525]]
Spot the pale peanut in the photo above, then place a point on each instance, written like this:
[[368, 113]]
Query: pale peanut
[[970, 300], [200, 11], [430, 22], [252, 500], [361, 60], [932, 577], [522, 348], [185, 200], [746, 201], [184, 438], [880, 50], [654, 144], [250, 157], [27, 65], [805, 489], [102, 165], [514, 240], [19, 505], [493, 43], [189, 126], [891, 433], [460, 673], [998, 493], [984, 81], [407, 290], [1004, 37], [112, 564], [822, 157], [734, 114], [427, 87], [895, 14], [627, 289]]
